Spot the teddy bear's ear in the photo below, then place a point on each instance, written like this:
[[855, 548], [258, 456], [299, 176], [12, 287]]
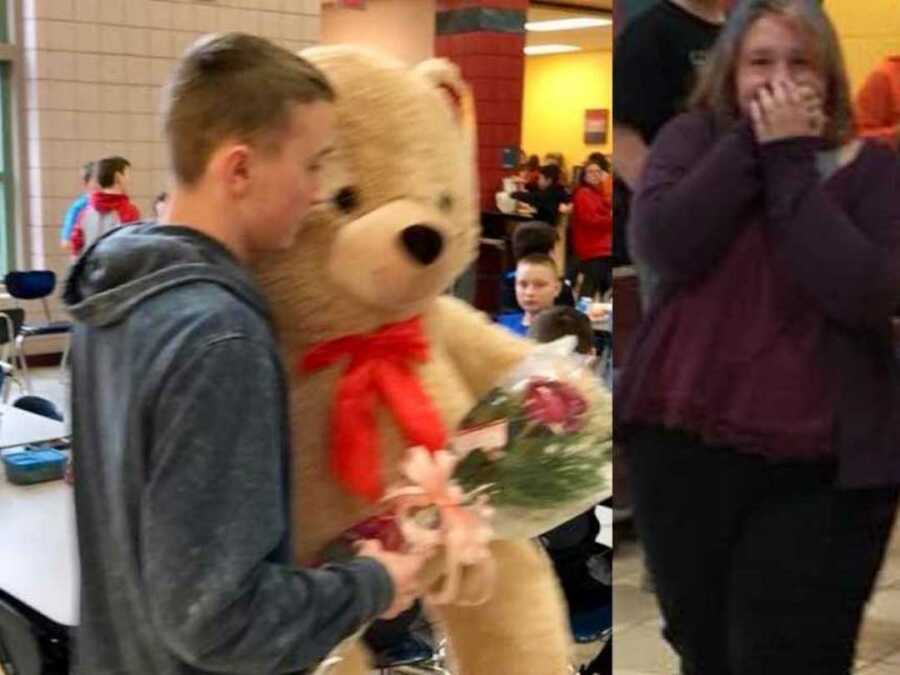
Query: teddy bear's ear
[[445, 75]]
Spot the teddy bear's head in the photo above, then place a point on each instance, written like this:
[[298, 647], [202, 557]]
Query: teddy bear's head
[[397, 219]]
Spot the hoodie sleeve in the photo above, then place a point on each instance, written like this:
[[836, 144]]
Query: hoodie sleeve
[[693, 197], [214, 511], [129, 213], [71, 217], [847, 256]]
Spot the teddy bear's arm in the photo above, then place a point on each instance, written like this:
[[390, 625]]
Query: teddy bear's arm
[[483, 351]]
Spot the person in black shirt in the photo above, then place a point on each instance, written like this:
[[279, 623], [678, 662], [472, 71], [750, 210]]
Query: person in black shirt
[[548, 197], [657, 56]]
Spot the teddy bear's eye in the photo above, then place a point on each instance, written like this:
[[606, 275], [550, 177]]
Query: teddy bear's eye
[[445, 202], [346, 199]]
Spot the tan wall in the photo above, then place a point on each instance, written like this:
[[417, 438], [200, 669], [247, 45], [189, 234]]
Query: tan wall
[[93, 70], [404, 29]]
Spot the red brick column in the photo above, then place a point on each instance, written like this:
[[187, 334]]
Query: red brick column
[[485, 38]]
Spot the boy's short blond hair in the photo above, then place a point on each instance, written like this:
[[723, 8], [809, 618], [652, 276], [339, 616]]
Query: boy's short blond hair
[[540, 259], [233, 85]]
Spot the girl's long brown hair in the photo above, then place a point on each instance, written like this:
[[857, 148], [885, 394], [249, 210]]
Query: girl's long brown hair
[[715, 90]]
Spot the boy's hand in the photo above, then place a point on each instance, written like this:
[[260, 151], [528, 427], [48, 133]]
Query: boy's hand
[[403, 569]]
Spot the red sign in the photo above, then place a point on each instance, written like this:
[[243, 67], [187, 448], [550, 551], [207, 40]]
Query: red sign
[[352, 4], [596, 125]]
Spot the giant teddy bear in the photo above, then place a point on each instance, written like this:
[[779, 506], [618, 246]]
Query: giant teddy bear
[[398, 223]]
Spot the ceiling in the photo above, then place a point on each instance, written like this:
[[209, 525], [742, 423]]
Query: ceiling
[[589, 39]]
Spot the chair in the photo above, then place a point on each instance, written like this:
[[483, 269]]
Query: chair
[[20, 651], [411, 651], [5, 380], [401, 643], [30, 643], [11, 321], [39, 406], [35, 285]]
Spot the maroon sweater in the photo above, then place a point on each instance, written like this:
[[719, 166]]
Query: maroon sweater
[[768, 322]]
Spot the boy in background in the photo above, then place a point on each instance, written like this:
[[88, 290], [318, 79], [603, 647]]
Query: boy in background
[[581, 564], [557, 322], [108, 206], [537, 285]]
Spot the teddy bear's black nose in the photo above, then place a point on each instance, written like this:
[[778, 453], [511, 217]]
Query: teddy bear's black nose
[[423, 242]]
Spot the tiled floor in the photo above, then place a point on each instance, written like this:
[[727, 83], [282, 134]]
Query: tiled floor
[[640, 650]]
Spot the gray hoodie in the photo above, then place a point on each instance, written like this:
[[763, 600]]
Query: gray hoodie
[[180, 440]]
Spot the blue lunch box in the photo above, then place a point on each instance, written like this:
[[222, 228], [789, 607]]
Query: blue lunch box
[[34, 466]]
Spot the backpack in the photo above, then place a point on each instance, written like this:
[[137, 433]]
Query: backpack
[[91, 226]]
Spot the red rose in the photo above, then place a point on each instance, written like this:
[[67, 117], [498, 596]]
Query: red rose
[[552, 402]]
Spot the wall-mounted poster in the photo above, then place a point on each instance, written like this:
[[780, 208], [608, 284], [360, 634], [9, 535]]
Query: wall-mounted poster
[[596, 125], [509, 157]]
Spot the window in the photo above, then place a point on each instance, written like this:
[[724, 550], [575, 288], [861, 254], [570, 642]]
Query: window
[[7, 179]]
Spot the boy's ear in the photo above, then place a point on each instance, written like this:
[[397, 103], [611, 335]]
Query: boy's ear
[[231, 164]]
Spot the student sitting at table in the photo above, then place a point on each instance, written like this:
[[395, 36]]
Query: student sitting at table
[[593, 348], [579, 560], [537, 284], [557, 322], [549, 196], [532, 237]]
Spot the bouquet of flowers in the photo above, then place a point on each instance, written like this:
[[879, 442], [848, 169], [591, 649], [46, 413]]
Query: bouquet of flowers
[[538, 446]]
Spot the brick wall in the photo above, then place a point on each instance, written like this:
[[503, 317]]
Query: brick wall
[[493, 63]]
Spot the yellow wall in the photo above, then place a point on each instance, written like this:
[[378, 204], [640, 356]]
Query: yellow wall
[[558, 89], [869, 30]]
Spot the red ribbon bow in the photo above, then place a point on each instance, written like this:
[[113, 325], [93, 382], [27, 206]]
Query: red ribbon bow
[[380, 367]]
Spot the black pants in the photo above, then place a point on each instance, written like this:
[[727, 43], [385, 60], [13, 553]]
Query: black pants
[[760, 568], [596, 276]]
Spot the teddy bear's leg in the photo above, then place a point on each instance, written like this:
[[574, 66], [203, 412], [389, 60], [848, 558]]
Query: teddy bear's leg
[[522, 630], [355, 660]]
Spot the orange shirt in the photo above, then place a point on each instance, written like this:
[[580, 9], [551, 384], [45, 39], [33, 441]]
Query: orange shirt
[[607, 186], [878, 103]]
